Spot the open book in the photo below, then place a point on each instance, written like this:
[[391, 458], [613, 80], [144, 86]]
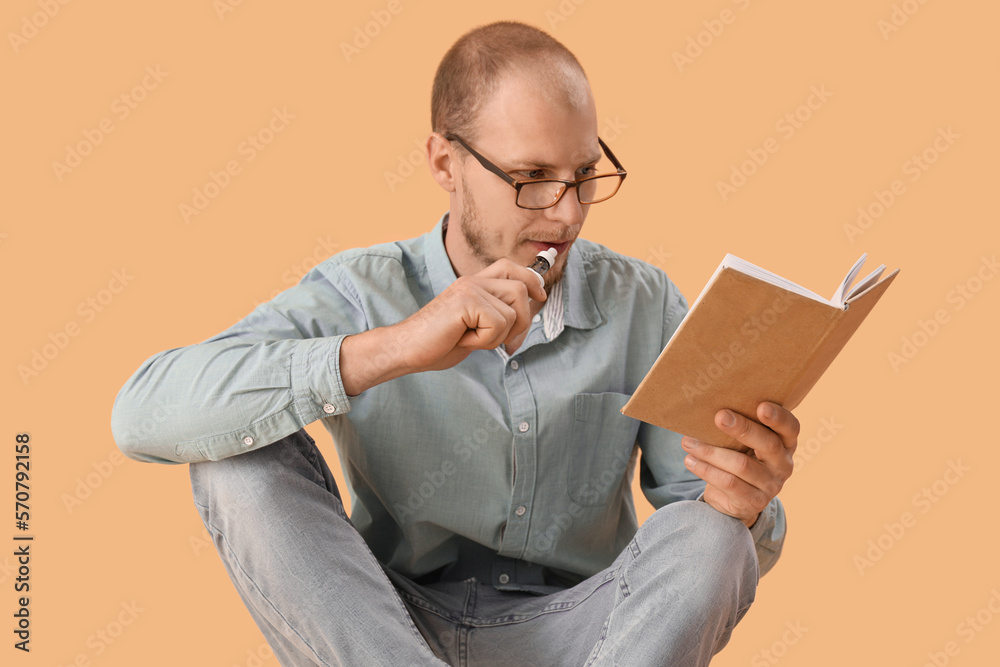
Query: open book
[[750, 336]]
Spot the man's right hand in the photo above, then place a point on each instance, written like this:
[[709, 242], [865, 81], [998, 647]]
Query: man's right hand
[[476, 312]]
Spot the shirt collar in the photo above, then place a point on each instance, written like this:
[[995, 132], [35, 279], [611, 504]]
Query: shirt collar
[[579, 310]]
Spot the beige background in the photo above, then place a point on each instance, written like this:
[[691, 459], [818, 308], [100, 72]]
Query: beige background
[[115, 535]]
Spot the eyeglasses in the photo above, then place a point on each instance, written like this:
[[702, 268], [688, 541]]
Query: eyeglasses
[[536, 194]]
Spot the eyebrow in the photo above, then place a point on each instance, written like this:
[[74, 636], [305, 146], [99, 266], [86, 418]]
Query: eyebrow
[[520, 164]]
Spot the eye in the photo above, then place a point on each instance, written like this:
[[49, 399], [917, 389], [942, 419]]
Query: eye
[[588, 171], [532, 174]]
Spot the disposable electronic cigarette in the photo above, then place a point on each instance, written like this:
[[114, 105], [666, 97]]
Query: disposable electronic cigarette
[[543, 262]]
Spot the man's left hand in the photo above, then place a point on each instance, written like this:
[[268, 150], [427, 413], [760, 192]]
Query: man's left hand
[[741, 485]]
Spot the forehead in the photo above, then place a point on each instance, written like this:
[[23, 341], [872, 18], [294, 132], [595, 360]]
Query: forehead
[[534, 121]]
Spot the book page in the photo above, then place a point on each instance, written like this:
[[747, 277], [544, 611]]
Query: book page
[[838, 296], [746, 267], [869, 280]]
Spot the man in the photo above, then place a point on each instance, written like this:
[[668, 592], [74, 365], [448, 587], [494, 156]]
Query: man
[[477, 420]]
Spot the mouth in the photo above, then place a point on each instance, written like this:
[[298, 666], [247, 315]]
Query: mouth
[[545, 245]]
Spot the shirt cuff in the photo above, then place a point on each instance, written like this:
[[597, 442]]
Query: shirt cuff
[[768, 533], [317, 388], [317, 391]]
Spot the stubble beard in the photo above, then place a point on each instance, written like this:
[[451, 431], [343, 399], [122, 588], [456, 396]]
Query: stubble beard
[[477, 237]]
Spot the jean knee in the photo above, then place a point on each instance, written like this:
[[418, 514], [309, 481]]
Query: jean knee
[[233, 479], [696, 527]]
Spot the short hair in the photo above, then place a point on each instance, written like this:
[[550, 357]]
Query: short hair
[[472, 69]]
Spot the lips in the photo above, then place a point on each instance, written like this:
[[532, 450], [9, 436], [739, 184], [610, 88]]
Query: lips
[[545, 245]]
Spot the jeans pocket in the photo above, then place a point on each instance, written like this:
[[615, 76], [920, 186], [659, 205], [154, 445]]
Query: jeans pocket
[[603, 440]]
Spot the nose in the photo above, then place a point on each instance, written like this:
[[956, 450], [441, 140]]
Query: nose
[[568, 210]]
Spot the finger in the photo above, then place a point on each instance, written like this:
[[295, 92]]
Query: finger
[[511, 292], [505, 268], [765, 443], [510, 299], [488, 321], [740, 493], [781, 421], [741, 465]]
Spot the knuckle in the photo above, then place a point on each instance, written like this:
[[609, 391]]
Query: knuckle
[[730, 483], [744, 465]]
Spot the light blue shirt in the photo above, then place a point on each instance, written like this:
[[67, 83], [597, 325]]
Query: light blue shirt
[[521, 464]]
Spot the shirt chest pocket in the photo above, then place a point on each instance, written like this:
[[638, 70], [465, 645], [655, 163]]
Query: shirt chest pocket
[[602, 443]]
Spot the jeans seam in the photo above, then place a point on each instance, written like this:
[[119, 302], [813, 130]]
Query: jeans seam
[[256, 588], [513, 619], [596, 652], [312, 457]]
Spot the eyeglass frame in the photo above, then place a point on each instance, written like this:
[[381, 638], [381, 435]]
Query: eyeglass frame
[[518, 184]]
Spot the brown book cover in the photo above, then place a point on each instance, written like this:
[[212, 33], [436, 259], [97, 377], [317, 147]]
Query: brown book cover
[[751, 336]]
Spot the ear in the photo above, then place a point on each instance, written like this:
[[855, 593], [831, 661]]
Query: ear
[[441, 160]]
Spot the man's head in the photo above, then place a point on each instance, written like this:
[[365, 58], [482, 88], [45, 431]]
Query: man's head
[[520, 99]]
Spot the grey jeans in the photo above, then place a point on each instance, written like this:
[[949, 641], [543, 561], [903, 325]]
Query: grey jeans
[[320, 597]]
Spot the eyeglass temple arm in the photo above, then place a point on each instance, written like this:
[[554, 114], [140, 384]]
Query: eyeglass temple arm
[[505, 176], [482, 160], [611, 156]]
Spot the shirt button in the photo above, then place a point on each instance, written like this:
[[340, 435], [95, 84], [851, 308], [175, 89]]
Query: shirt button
[[521, 510], [536, 318], [329, 409], [504, 578], [514, 365], [248, 441], [523, 427]]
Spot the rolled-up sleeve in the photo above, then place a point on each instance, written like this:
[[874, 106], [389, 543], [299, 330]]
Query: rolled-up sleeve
[[267, 376]]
